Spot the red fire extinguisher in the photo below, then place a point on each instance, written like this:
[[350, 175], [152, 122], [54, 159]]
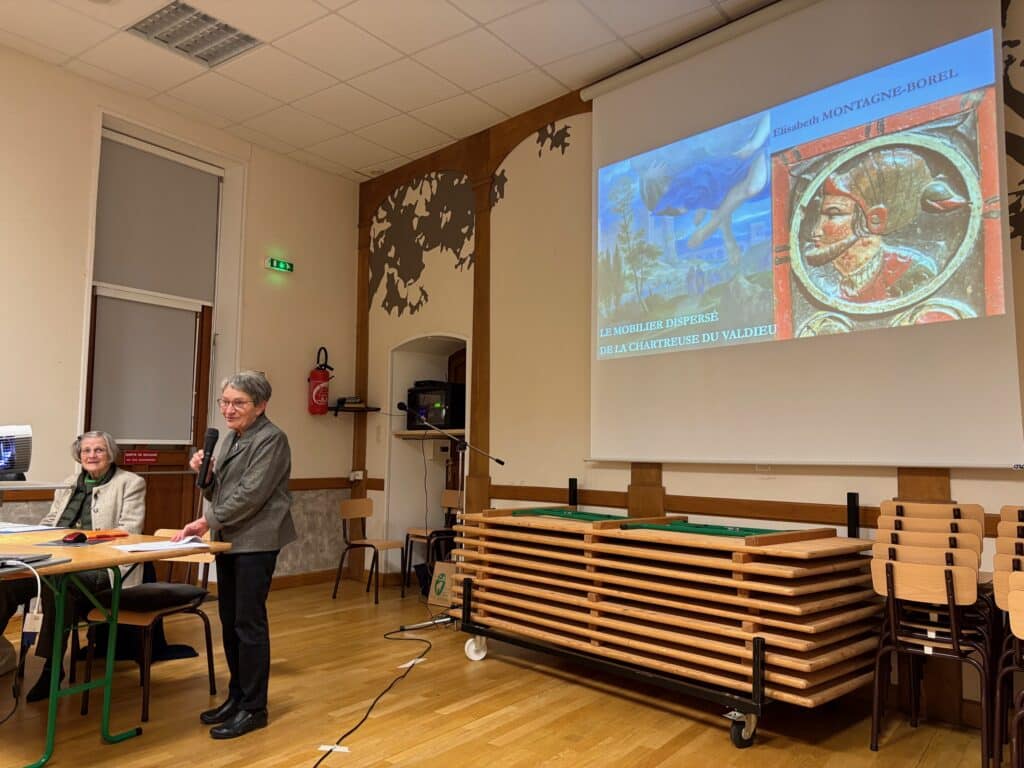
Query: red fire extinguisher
[[319, 382]]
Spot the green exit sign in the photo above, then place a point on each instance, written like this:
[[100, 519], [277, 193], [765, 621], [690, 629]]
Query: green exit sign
[[280, 265]]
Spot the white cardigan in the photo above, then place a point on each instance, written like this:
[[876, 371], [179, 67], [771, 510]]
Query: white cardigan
[[119, 503]]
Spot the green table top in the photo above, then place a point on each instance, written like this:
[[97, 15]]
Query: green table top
[[566, 514], [705, 530]]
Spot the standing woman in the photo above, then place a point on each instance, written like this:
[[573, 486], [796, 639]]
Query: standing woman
[[250, 507]]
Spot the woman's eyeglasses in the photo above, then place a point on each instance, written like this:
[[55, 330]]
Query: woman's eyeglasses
[[238, 405]]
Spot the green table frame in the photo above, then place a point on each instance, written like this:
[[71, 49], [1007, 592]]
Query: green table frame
[[58, 584]]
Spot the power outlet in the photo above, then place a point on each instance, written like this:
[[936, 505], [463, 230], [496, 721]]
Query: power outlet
[[356, 475]]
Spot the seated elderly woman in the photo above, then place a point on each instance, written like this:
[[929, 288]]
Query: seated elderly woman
[[101, 496]]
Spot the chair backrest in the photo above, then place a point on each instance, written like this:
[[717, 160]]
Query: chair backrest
[[1006, 530], [1006, 545], [450, 505], [353, 509], [927, 555], [1011, 513], [449, 499], [918, 583], [939, 540], [943, 511], [1015, 603], [930, 525]]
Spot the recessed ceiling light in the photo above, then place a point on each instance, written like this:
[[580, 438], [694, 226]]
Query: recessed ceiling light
[[203, 38]]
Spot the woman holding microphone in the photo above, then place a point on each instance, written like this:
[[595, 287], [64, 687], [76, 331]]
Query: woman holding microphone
[[250, 507]]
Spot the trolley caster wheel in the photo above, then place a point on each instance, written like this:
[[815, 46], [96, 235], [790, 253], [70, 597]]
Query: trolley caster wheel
[[736, 734], [476, 648]]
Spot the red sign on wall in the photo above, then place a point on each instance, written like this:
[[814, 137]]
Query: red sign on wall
[[139, 457]]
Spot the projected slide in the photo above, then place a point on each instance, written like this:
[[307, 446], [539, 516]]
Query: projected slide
[[873, 203]]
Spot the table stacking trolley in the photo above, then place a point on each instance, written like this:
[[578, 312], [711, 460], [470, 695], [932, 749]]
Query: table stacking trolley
[[738, 616]]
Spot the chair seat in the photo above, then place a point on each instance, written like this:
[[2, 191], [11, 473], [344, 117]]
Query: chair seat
[[421, 534], [379, 543]]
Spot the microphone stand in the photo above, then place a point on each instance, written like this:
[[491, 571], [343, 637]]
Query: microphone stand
[[461, 444]]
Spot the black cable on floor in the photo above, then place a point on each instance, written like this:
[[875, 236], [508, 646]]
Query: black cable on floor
[[353, 729]]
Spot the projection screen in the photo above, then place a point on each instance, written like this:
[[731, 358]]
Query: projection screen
[[800, 247]]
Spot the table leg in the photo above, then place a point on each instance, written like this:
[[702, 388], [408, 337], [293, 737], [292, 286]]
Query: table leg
[[59, 585]]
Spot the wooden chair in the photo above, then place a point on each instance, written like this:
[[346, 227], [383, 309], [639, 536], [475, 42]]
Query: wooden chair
[[431, 537], [927, 613], [144, 605], [361, 509]]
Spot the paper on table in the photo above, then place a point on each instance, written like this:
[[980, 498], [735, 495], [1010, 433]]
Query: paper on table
[[23, 528], [189, 542]]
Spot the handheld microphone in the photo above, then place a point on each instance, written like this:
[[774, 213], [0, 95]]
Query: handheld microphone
[[203, 479]]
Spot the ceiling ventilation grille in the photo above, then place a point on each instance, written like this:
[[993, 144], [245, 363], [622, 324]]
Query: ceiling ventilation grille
[[198, 35]]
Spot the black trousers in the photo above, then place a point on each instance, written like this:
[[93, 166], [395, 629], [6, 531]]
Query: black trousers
[[243, 581], [16, 592]]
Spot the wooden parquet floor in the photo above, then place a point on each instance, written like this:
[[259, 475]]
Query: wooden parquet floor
[[515, 709]]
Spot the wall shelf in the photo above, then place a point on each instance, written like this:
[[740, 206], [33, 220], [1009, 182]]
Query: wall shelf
[[336, 409], [426, 434]]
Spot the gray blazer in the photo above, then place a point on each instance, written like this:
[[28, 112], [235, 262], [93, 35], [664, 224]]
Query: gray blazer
[[250, 501]]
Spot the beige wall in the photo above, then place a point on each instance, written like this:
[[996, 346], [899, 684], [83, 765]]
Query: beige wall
[[448, 312], [49, 151], [540, 313], [307, 217]]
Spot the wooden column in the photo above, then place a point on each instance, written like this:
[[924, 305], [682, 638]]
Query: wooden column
[[645, 495], [478, 483]]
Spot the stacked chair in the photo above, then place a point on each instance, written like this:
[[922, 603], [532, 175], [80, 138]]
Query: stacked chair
[[1008, 589], [925, 563]]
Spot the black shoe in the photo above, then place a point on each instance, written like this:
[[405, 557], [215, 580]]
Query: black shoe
[[220, 714], [41, 690], [243, 721]]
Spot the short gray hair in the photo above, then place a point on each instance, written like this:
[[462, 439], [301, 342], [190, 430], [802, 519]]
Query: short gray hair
[[253, 383], [112, 449]]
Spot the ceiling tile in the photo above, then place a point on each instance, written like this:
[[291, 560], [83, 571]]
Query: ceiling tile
[[552, 30], [672, 33], [345, 106], [276, 73], [473, 59], [355, 176], [588, 67], [32, 48], [489, 10], [52, 25], [628, 18], [223, 96], [404, 135], [186, 109], [338, 47], [265, 19], [352, 151], [736, 8], [121, 14], [425, 152], [335, 4], [408, 26], [376, 169], [461, 116], [109, 78], [319, 162], [130, 56], [261, 139], [522, 92], [294, 127], [405, 84]]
